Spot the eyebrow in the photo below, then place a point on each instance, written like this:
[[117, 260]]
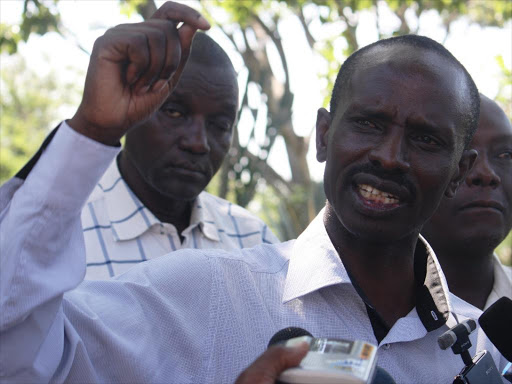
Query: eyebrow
[[415, 122], [367, 111], [178, 97], [502, 139], [423, 124]]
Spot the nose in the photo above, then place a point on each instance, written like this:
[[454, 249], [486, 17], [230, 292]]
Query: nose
[[390, 154], [482, 174], [195, 138]]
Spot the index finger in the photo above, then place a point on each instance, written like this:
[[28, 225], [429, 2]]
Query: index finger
[[181, 13]]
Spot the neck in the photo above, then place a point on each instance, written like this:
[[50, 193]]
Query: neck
[[165, 208], [383, 271], [469, 272]]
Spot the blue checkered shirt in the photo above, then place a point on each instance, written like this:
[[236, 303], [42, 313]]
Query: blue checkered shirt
[[119, 231]]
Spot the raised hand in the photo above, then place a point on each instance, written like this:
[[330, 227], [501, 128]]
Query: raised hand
[[133, 69]]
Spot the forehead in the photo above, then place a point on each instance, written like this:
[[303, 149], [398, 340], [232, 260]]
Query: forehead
[[493, 124], [424, 76], [410, 83], [206, 84]]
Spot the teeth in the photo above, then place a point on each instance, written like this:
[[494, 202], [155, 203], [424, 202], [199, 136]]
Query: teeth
[[374, 194]]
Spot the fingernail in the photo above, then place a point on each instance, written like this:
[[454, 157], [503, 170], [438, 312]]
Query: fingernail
[[300, 347], [143, 90], [159, 85]]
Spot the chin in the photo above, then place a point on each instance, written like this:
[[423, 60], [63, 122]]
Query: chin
[[484, 241], [379, 233], [185, 194]]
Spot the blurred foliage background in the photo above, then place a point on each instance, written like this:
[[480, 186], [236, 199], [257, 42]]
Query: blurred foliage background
[[31, 102]]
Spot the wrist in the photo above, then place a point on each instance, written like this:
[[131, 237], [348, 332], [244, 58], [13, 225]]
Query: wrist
[[84, 127]]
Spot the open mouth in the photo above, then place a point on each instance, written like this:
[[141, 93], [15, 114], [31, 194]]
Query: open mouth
[[377, 196]]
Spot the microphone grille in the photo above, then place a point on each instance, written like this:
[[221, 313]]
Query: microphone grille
[[287, 334], [472, 324], [446, 340]]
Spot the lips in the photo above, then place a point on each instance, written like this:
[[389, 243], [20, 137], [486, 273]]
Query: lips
[[189, 167], [485, 204]]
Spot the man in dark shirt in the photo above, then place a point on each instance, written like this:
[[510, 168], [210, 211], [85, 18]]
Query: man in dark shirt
[[467, 228]]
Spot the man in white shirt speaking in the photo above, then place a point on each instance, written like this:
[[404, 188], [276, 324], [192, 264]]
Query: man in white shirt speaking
[[402, 113]]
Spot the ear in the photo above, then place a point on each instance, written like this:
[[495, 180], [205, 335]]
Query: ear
[[323, 122], [465, 164]]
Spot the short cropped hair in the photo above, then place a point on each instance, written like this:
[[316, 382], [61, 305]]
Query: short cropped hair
[[469, 118], [207, 52]]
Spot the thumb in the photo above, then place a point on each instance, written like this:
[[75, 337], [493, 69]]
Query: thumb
[[186, 35], [267, 368]]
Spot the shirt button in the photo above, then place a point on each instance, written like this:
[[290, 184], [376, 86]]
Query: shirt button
[[386, 346]]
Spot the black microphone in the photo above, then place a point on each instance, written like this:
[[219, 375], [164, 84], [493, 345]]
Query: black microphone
[[479, 369], [495, 322], [287, 334], [458, 339], [314, 368]]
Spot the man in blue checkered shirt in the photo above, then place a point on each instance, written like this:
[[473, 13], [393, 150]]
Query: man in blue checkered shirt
[[151, 200]]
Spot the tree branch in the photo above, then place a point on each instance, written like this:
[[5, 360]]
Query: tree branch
[[274, 35], [311, 40]]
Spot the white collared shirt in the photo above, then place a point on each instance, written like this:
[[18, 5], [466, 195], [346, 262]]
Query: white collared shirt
[[193, 316], [120, 231], [502, 282]]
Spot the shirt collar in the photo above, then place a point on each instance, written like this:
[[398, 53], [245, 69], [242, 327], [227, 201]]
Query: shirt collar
[[315, 264], [432, 296], [130, 218], [203, 216], [502, 282]]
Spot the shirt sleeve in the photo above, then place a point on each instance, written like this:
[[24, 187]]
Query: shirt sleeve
[[43, 255]]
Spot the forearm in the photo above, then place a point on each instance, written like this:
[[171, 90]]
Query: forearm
[[42, 251]]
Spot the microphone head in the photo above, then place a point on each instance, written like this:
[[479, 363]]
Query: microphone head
[[450, 337], [471, 325], [287, 334], [446, 340], [495, 322]]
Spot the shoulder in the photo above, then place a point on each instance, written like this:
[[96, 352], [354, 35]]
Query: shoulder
[[227, 208], [463, 308], [201, 267], [502, 273], [224, 212], [263, 258]]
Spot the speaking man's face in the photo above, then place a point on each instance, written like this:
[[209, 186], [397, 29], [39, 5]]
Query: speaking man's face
[[393, 148]]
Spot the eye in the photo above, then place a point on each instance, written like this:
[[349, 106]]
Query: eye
[[222, 125], [426, 139], [507, 155], [366, 123], [173, 112]]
